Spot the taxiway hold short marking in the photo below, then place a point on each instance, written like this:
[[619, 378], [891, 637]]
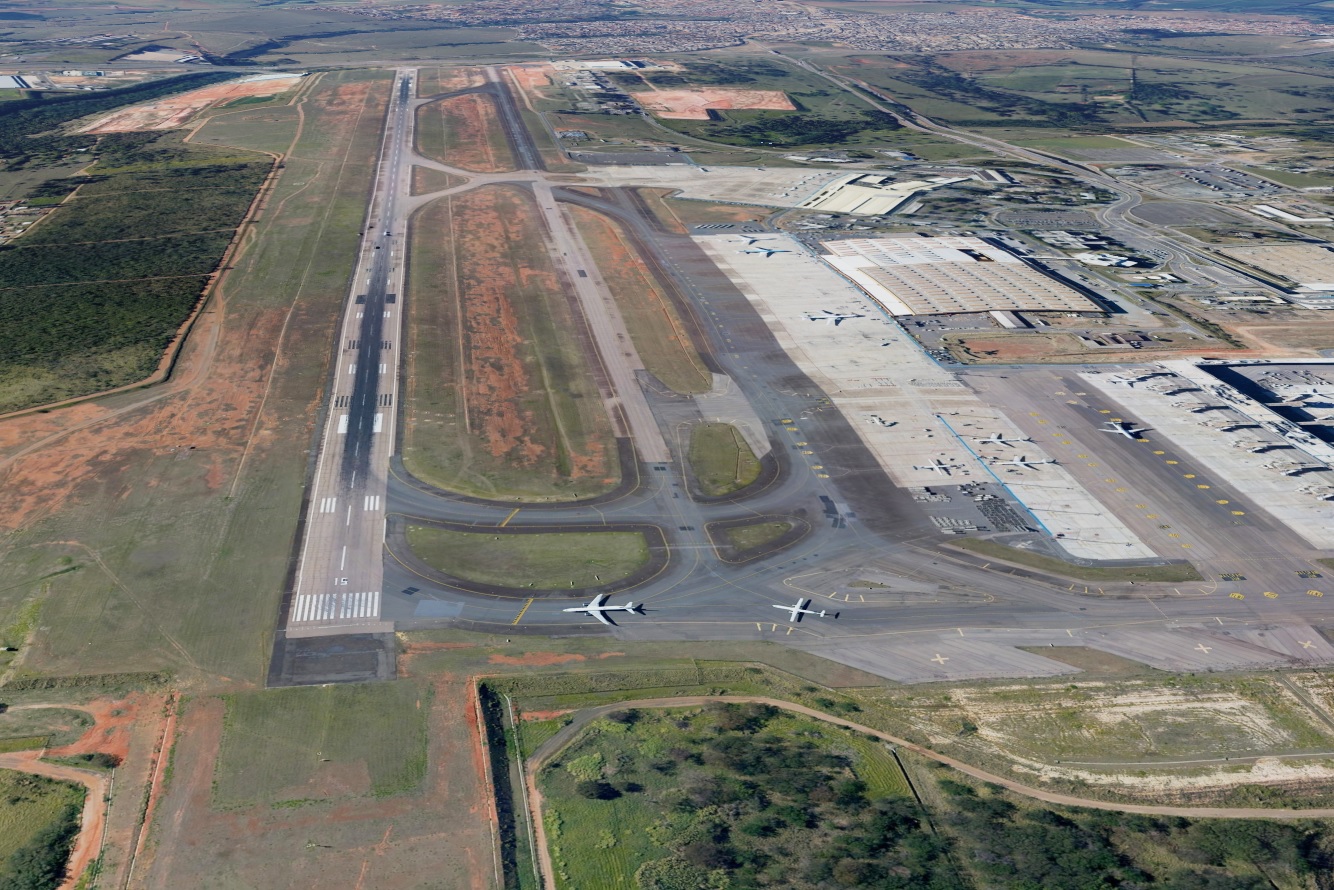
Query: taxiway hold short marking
[[524, 609]]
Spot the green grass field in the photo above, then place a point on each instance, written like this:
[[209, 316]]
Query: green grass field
[[720, 459], [1166, 574], [286, 746], [543, 561], [270, 129], [748, 537], [653, 322], [38, 820], [54, 726]]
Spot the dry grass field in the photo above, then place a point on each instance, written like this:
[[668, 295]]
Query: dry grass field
[[464, 132], [653, 322], [501, 400]]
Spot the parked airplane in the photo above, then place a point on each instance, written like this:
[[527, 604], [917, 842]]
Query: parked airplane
[[1021, 461], [833, 318], [1139, 378], [1122, 429], [999, 439], [877, 420], [598, 609], [767, 251], [752, 240], [795, 612], [942, 469], [1300, 397]]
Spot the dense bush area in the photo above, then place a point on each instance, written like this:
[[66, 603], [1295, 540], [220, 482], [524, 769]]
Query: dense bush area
[[39, 819], [92, 294], [732, 797], [1013, 848], [41, 864], [786, 128]]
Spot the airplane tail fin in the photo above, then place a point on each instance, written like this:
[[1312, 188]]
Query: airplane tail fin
[[822, 613], [634, 607]]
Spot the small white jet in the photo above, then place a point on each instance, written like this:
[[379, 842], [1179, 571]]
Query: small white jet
[[795, 612], [752, 240], [1119, 428], [767, 251], [598, 609], [1021, 461], [942, 469], [833, 318], [1301, 397], [999, 439], [877, 420], [1138, 378]]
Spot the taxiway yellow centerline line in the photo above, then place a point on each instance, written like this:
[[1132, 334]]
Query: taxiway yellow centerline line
[[513, 513]]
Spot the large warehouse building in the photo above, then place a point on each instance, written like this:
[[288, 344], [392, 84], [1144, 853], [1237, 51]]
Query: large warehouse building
[[1310, 265], [912, 275]]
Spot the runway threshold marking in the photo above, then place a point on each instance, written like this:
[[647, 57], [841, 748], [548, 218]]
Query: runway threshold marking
[[524, 609], [506, 520]]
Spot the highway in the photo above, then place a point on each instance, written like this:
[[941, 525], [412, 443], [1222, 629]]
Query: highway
[[339, 575]]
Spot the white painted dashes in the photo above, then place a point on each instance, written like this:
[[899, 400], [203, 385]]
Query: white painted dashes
[[336, 606]]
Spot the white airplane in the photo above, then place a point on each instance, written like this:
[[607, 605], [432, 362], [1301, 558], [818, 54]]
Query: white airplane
[[795, 612], [877, 420], [1301, 397], [767, 251], [833, 318], [999, 439], [752, 240], [1021, 461], [942, 469], [1138, 378], [598, 609], [1122, 429]]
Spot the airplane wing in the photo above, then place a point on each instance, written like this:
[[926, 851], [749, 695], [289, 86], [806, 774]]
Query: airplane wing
[[598, 614]]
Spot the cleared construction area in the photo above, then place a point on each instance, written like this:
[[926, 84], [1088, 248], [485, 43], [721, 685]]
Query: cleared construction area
[[912, 275]]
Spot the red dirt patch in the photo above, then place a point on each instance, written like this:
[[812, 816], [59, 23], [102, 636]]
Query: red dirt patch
[[694, 105], [543, 715], [473, 138], [113, 725], [498, 264], [532, 78], [536, 659]]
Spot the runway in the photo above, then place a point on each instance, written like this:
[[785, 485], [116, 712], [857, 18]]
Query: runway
[[339, 577]]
